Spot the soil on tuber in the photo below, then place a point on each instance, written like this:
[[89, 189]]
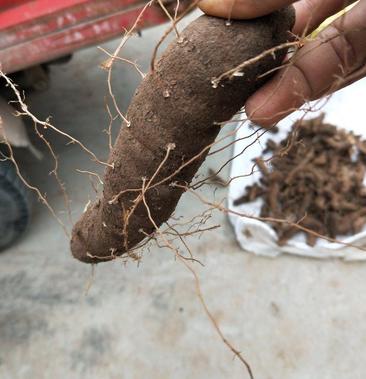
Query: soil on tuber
[[174, 115]]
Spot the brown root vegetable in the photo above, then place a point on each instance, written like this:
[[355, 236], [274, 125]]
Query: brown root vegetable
[[173, 117]]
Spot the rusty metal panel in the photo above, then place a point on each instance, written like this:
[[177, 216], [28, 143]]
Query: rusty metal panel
[[33, 10], [41, 23], [4, 4], [37, 31]]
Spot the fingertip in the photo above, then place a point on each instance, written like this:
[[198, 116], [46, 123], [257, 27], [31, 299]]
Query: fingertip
[[241, 9], [207, 7], [226, 9], [259, 109], [204, 5], [280, 96]]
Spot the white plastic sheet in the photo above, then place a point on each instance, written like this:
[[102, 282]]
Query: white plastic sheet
[[346, 109]]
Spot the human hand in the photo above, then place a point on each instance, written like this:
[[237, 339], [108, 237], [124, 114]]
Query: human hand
[[335, 59]]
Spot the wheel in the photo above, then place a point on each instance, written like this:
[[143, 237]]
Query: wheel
[[15, 205]]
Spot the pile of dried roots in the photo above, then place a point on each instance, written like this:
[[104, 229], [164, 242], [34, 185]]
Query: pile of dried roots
[[315, 179]]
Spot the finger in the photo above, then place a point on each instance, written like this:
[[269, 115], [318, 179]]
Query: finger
[[311, 13], [356, 75], [320, 67], [241, 9]]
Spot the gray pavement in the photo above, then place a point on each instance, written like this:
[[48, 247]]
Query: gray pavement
[[291, 317]]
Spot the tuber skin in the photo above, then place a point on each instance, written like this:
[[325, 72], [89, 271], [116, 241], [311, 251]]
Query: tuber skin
[[177, 106]]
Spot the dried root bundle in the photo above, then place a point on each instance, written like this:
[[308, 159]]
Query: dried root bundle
[[316, 178]]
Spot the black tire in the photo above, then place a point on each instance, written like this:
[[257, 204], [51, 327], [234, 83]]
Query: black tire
[[15, 205]]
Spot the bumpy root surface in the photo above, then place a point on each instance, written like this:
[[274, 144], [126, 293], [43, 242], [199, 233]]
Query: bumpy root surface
[[177, 106]]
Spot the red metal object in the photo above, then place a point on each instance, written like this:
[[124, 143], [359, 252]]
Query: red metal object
[[36, 31]]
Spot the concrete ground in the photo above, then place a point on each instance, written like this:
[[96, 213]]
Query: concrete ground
[[291, 317]]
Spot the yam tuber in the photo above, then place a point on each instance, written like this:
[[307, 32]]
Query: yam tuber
[[176, 107]]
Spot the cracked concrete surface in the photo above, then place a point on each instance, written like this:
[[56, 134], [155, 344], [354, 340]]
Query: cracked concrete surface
[[291, 317]]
